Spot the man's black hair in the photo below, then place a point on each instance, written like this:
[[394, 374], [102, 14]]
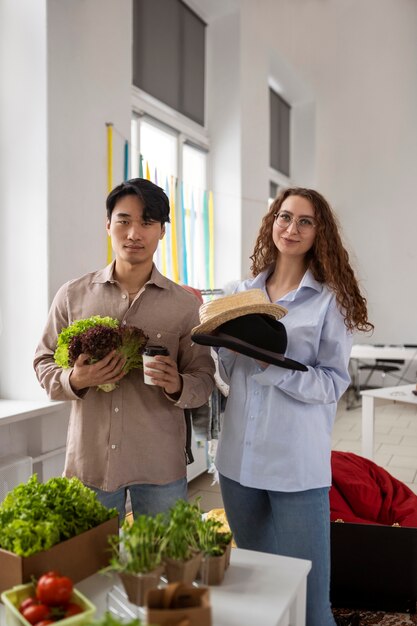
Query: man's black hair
[[155, 200]]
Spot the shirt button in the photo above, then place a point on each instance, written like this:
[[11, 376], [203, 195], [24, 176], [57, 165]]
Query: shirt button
[[124, 296], [124, 322], [113, 446], [247, 444], [252, 417], [116, 410], [185, 406], [159, 335]]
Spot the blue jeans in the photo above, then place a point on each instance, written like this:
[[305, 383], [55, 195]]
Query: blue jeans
[[145, 499], [293, 524]]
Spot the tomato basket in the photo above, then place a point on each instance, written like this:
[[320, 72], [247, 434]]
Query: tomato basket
[[12, 598]]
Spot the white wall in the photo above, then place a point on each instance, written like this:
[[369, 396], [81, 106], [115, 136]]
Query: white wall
[[23, 191], [89, 84], [359, 60], [66, 71], [348, 69], [224, 112]]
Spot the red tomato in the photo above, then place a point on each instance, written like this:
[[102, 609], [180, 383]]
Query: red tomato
[[27, 602], [54, 589], [45, 622], [73, 608], [35, 613]]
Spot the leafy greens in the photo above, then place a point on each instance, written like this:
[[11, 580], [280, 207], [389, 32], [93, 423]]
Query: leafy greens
[[97, 336], [35, 516]]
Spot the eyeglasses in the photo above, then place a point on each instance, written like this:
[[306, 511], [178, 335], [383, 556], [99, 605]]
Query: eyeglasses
[[304, 224]]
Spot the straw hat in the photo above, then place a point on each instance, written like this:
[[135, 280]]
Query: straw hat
[[255, 335], [217, 312]]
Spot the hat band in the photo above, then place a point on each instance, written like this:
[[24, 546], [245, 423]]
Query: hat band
[[240, 342]]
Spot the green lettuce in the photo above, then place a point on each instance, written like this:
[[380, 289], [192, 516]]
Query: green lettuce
[[78, 327], [35, 516], [97, 336]]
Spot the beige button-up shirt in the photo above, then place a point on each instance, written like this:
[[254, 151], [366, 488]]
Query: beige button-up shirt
[[136, 433]]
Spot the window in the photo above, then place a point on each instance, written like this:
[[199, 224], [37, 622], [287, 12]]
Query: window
[[280, 112], [159, 153], [195, 212], [273, 191], [169, 144], [169, 55]]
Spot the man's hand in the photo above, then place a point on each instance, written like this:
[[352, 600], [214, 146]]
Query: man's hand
[[108, 370], [164, 373]]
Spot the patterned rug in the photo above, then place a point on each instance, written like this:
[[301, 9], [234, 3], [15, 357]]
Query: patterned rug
[[379, 618]]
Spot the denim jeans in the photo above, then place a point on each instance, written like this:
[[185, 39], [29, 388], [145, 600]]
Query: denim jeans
[[145, 499], [293, 524]]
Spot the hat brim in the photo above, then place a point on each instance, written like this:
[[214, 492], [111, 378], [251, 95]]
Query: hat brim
[[275, 311], [223, 340]]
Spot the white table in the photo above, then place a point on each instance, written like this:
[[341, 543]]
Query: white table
[[375, 397], [369, 351], [258, 588]]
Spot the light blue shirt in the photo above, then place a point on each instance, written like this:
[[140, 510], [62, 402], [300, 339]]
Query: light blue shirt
[[277, 425]]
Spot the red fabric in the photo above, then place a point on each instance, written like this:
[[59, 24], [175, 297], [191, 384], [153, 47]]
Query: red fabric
[[194, 291], [363, 492]]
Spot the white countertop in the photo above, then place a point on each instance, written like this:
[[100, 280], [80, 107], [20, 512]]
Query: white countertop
[[17, 410], [258, 588]]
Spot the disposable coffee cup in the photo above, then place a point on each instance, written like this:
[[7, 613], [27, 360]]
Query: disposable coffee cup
[[148, 356]]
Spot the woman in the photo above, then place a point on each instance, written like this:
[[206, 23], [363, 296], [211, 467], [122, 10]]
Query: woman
[[274, 452]]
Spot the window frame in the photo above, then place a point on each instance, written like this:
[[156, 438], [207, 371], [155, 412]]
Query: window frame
[[187, 131], [280, 176]]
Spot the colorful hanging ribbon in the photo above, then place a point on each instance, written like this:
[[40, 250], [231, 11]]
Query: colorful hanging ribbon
[[126, 161], [174, 248], [109, 179], [168, 237], [193, 264], [211, 240], [184, 239], [186, 253], [206, 231]]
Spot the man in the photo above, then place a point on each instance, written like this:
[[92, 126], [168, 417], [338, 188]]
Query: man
[[132, 438]]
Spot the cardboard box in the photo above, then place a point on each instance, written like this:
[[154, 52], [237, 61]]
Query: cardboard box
[[14, 597], [374, 567], [77, 558], [195, 607]]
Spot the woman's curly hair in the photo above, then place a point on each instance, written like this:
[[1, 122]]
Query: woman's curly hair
[[327, 259]]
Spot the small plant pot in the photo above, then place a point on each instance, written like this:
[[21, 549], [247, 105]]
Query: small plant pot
[[138, 585], [212, 569], [183, 571], [227, 553]]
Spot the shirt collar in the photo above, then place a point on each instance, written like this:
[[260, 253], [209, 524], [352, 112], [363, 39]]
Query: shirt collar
[[308, 280], [106, 275]]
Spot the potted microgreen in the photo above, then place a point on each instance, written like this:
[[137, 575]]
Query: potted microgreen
[[225, 537], [213, 543], [137, 555], [182, 554]]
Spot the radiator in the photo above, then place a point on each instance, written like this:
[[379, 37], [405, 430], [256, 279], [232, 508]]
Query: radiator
[[13, 471]]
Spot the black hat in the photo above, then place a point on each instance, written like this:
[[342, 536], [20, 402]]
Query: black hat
[[256, 335]]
